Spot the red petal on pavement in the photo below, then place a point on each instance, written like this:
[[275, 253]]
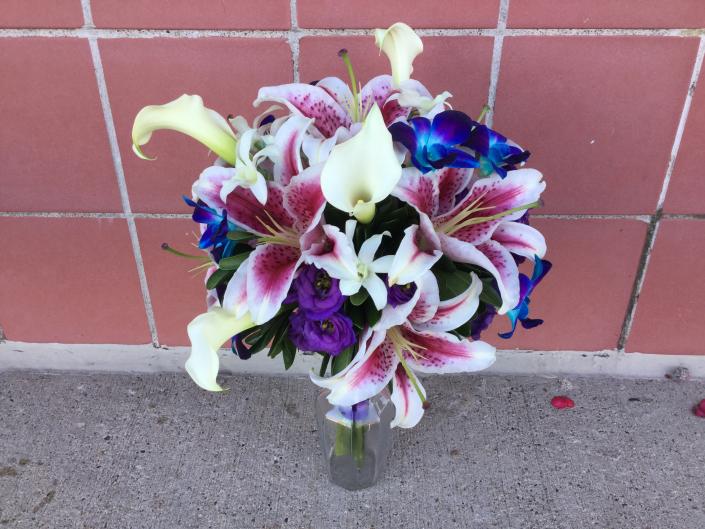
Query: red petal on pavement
[[561, 402], [699, 409]]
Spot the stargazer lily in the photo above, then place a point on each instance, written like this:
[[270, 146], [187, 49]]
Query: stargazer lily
[[187, 115], [354, 271], [480, 229], [362, 170], [401, 45], [286, 226], [411, 337]]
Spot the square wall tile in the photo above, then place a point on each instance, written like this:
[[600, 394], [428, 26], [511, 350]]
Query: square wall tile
[[375, 14], [686, 191], [70, 280], [41, 14], [669, 314], [606, 14], [599, 115], [460, 65], [53, 143], [177, 295], [584, 298], [185, 14], [226, 72]]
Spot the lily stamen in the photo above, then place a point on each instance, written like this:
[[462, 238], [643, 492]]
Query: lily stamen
[[397, 339], [278, 233]]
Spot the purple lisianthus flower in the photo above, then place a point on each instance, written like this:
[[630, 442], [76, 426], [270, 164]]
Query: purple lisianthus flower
[[400, 294], [330, 335], [317, 293], [482, 322]]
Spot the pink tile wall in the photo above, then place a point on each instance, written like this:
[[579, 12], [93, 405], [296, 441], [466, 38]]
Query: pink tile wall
[[599, 108]]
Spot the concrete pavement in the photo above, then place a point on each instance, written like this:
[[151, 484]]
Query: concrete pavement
[[154, 451]]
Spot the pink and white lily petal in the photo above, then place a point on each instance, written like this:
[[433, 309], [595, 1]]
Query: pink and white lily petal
[[393, 316], [419, 190], [454, 312], [269, 277], [428, 299], [451, 181], [303, 198], [442, 352], [418, 251], [340, 260], [235, 296], [317, 148], [207, 332], [288, 141], [309, 101], [244, 209], [520, 239], [366, 377], [407, 403], [338, 90], [494, 258], [490, 197], [209, 184]]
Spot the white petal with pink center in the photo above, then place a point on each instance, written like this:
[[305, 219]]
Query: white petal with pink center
[[494, 258], [454, 312], [418, 251], [442, 352], [406, 399], [520, 239]]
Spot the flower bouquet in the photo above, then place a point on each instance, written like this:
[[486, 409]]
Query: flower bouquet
[[373, 226]]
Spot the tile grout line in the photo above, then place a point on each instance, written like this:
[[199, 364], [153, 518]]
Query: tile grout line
[[119, 173], [108, 215], [658, 215], [496, 59], [294, 40], [88, 32]]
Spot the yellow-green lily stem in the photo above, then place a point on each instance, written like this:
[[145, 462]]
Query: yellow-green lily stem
[[353, 82]]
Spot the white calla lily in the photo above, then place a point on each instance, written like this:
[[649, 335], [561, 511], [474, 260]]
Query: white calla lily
[[401, 45], [362, 170], [187, 115], [207, 332]]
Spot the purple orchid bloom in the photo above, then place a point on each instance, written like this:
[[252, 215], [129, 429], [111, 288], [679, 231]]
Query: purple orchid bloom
[[217, 226], [330, 335], [237, 345], [433, 144], [526, 287], [317, 294], [495, 152]]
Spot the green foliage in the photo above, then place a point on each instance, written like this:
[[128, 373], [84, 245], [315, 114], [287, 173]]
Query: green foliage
[[218, 277], [233, 262], [342, 360]]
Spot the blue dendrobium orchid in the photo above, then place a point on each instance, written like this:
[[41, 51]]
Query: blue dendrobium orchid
[[526, 287], [434, 144], [217, 225], [495, 153]]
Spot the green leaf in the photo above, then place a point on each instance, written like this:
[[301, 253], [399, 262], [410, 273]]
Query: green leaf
[[218, 277], [372, 315], [356, 314], [489, 295], [238, 235], [233, 262], [288, 352], [359, 298], [342, 360]]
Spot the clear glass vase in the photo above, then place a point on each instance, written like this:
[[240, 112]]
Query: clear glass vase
[[355, 440]]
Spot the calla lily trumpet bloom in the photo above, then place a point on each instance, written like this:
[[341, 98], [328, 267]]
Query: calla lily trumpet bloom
[[207, 332], [401, 45], [363, 170], [187, 115]]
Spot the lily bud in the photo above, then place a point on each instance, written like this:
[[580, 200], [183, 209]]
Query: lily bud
[[187, 115], [401, 45], [362, 170]]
